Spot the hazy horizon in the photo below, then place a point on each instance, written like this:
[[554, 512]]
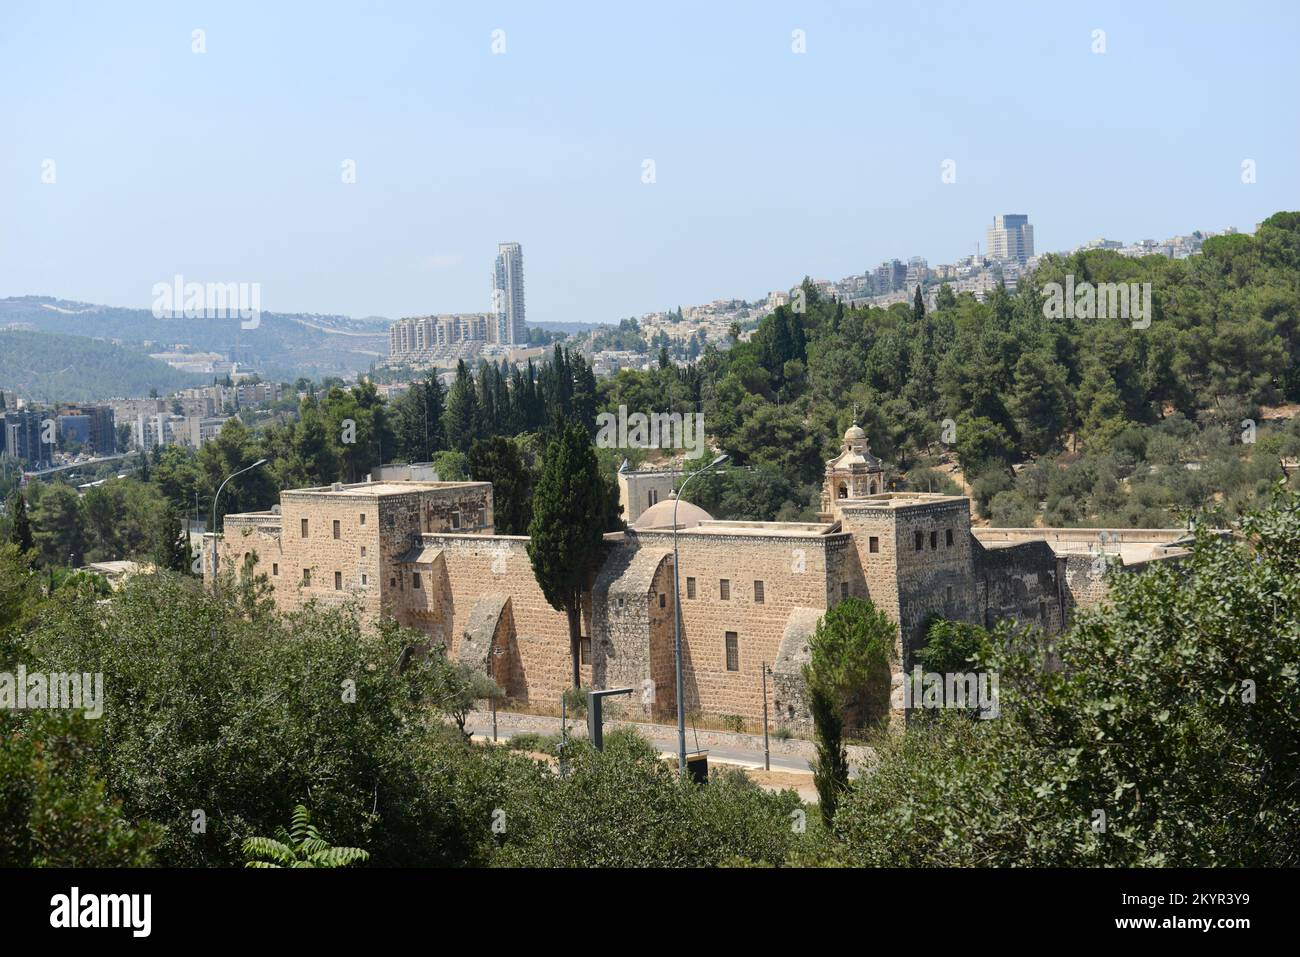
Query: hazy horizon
[[769, 164]]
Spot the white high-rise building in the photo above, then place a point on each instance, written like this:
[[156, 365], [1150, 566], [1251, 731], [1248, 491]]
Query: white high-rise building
[[508, 295], [1011, 238]]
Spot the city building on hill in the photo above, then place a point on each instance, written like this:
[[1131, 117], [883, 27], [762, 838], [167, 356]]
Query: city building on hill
[[426, 555], [91, 426], [1011, 237], [24, 436], [508, 295]]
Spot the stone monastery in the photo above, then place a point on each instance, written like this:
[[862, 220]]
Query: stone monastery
[[425, 554]]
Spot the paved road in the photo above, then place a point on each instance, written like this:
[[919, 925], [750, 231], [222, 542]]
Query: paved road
[[668, 745]]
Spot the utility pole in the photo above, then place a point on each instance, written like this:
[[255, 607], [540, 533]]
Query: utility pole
[[767, 754]]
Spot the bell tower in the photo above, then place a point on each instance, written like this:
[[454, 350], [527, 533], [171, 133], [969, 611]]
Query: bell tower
[[853, 474]]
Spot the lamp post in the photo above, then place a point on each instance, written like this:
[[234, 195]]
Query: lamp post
[[677, 621], [767, 754], [215, 567]]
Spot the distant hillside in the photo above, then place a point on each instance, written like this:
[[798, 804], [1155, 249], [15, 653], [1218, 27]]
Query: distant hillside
[[43, 367], [283, 346]]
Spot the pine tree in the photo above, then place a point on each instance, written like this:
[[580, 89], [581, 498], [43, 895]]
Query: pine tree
[[565, 536], [497, 460], [831, 766], [172, 547], [21, 533], [462, 415], [918, 306]]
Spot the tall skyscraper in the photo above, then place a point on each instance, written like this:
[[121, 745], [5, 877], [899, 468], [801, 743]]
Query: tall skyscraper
[[508, 294], [1011, 237]]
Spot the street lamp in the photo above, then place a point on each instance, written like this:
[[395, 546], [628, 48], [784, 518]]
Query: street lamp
[[215, 498], [677, 621]]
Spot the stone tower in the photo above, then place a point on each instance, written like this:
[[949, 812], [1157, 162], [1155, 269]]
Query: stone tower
[[853, 474]]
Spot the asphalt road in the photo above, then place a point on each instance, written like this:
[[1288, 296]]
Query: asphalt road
[[668, 745]]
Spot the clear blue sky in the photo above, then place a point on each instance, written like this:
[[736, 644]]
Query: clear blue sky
[[226, 166]]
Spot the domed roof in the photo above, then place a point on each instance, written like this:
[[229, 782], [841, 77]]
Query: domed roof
[[854, 433], [660, 515]]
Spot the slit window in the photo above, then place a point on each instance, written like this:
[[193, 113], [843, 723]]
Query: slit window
[[920, 541], [338, 581], [948, 537], [690, 587], [724, 589], [758, 592], [336, 529], [733, 651], [304, 528]]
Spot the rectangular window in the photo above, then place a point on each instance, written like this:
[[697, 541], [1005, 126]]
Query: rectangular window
[[690, 587], [919, 541], [948, 536], [338, 581], [844, 590], [415, 580], [365, 580], [947, 593], [363, 551], [758, 592], [934, 540], [1042, 611], [663, 600], [275, 568], [455, 520], [336, 528], [584, 651], [306, 577], [362, 518], [733, 651], [724, 589], [651, 498], [873, 544], [304, 528]]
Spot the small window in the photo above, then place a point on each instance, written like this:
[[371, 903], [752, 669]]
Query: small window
[[919, 541], [948, 536], [1042, 611], [338, 581], [844, 590], [415, 580], [363, 551], [275, 569], [306, 577], [392, 582], [934, 540], [362, 518], [304, 528], [947, 593], [724, 589], [873, 544], [663, 600], [455, 520], [758, 592], [733, 651], [584, 651], [336, 528], [690, 587], [651, 498], [365, 579]]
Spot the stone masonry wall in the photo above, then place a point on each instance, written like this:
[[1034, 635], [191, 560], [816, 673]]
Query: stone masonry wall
[[793, 569]]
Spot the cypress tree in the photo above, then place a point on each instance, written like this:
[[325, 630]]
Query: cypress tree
[[565, 535]]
